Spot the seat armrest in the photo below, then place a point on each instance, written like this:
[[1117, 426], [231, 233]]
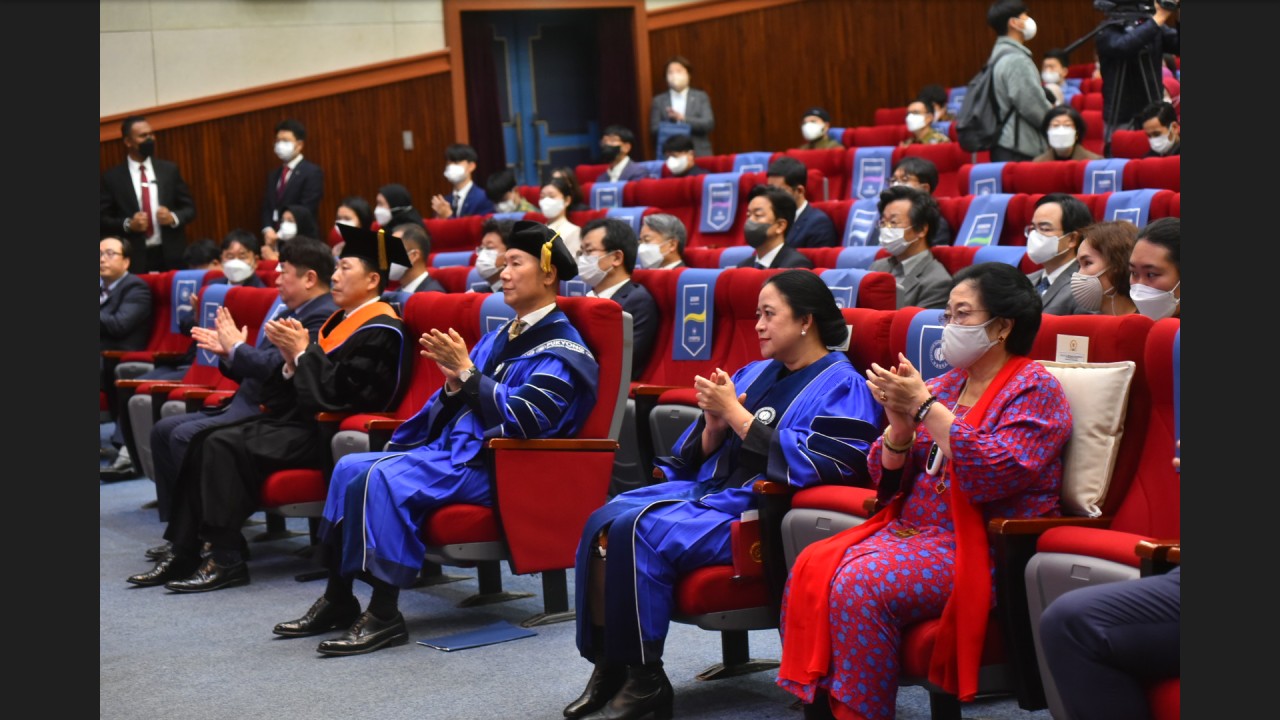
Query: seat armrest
[[168, 357], [380, 431], [773, 500], [115, 354], [553, 444], [1158, 556]]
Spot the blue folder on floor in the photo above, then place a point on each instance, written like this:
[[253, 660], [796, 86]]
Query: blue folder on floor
[[498, 632]]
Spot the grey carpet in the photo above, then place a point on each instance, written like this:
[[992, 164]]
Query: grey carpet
[[212, 656]]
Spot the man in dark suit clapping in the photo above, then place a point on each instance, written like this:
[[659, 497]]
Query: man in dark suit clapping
[[146, 201]]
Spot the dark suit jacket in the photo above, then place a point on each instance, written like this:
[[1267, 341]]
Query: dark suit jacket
[[305, 187], [813, 229], [637, 300], [475, 203], [124, 320], [787, 257], [430, 284], [697, 113], [252, 365], [631, 172], [1058, 300], [119, 202]]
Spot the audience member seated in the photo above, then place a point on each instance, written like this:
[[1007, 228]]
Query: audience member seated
[[815, 126], [240, 255], [394, 206], [922, 174], [435, 457], [771, 211], [1101, 285], [908, 218], [613, 242], [577, 201], [502, 192], [1160, 122], [983, 440], [935, 96], [124, 323], [1053, 239], [920, 124], [1064, 129], [678, 150], [353, 211], [1053, 74], [465, 198], [812, 227], [360, 364], [491, 255], [295, 221], [306, 271], [203, 254], [554, 204], [615, 149], [801, 416], [662, 239], [1155, 270], [417, 247]]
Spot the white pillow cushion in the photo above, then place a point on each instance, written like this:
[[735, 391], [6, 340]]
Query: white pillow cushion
[[1098, 394]]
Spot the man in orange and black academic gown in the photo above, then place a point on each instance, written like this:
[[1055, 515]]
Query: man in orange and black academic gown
[[360, 363]]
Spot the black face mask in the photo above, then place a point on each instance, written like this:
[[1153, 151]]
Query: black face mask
[[609, 153], [147, 147], [755, 233]]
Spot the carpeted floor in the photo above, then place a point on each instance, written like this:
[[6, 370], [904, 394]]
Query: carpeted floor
[[212, 656]]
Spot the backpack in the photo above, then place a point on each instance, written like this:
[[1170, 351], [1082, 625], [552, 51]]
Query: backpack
[[978, 123]]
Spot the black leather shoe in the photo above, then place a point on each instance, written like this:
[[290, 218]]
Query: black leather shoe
[[367, 634], [166, 569], [160, 552], [820, 708], [605, 682], [322, 616], [646, 690], [212, 576]]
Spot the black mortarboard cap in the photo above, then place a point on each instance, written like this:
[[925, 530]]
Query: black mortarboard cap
[[545, 245], [379, 248], [817, 111]]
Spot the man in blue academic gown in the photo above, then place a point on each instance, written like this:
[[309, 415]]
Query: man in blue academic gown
[[531, 378]]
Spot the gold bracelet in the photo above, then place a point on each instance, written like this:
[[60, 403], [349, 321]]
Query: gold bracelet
[[898, 449]]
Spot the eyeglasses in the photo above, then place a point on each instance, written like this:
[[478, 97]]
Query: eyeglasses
[[959, 318], [109, 254], [1044, 230], [886, 225]]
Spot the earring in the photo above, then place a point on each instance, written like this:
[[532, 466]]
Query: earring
[[999, 338], [804, 332]]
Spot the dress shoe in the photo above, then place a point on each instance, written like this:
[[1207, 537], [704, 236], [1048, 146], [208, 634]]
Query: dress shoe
[[322, 616], [159, 552], [646, 690], [820, 708], [212, 576], [167, 568], [605, 682], [367, 634], [121, 468]]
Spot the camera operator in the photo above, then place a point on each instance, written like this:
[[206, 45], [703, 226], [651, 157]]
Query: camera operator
[[1131, 50]]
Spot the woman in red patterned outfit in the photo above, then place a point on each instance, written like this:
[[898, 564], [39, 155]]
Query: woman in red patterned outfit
[[983, 440]]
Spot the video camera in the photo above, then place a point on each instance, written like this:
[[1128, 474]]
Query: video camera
[[1132, 9]]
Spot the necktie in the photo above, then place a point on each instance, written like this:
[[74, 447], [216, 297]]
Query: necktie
[[1043, 284], [457, 203], [102, 293], [517, 327], [284, 179], [145, 187]]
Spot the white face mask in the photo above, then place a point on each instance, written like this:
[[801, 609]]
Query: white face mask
[[1049, 77], [396, 272], [1042, 248], [677, 164], [1154, 303], [237, 271], [382, 215], [1029, 29], [812, 131], [486, 262], [963, 344], [894, 240], [1160, 143], [677, 81], [287, 231], [344, 221], [1062, 138], [552, 208], [589, 270], [506, 206], [284, 150], [915, 121], [1087, 290], [649, 255], [454, 173]]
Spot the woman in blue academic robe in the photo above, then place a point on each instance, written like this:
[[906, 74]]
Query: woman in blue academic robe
[[802, 415]]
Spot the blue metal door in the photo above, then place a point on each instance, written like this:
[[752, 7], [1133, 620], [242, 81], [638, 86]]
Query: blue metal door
[[546, 64]]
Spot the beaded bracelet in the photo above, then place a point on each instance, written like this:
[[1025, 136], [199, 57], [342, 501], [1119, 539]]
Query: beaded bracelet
[[924, 408]]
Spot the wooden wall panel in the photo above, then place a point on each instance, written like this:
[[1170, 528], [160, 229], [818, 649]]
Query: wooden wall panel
[[763, 67], [355, 137]]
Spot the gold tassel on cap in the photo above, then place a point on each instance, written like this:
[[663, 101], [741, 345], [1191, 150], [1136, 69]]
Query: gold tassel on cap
[[546, 254], [382, 249]]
